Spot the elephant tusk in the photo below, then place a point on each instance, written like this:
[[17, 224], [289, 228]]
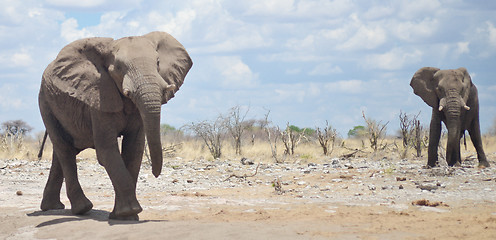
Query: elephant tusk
[[466, 107], [170, 87], [126, 92], [441, 108]]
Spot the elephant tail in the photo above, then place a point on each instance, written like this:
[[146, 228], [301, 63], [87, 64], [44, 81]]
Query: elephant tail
[[40, 153]]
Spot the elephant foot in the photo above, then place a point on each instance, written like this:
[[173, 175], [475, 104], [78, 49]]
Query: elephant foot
[[51, 205], [431, 164], [133, 217], [484, 164], [81, 207], [128, 212]]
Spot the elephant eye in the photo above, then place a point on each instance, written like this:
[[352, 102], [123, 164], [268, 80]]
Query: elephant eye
[[438, 90], [158, 64]]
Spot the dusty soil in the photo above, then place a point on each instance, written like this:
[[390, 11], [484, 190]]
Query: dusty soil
[[360, 198]]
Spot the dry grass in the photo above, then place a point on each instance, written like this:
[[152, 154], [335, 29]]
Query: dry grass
[[260, 151]]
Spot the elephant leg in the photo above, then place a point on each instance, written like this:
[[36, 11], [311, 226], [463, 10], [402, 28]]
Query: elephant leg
[[63, 167], [126, 204], [80, 204], [434, 137], [51, 194], [132, 154], [133, 144], [476, 138]]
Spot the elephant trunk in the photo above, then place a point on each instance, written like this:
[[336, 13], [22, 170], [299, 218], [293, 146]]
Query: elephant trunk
[[148, 97], [453, 145], [453, 124]]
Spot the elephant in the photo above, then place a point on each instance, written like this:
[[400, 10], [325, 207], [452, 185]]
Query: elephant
[[454, 101], [98, 90]]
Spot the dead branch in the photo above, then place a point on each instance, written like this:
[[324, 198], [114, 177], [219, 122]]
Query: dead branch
[[244, 176], [353, 153], [171, 150]]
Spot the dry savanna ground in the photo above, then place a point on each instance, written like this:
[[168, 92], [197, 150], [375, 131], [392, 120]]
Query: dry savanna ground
[[365, 195]]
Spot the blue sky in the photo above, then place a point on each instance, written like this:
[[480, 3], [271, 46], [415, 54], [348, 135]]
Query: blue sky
[[305, 61]]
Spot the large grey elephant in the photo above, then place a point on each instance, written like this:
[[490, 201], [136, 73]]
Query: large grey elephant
[[454, 101], [98, 89]]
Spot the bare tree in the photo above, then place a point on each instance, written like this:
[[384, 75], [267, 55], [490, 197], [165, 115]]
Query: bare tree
[[236, 125], [211, 133], [327, 137], [406, 129], [412, 133], [376, 132], [418, 137], [14, 132], [273, 134], [291, 139]]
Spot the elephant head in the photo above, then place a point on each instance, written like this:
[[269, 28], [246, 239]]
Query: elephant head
[[446, 91], [443, 88], [101, 72]]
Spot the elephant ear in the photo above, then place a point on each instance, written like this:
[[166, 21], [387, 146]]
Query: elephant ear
[[80, 72], [424, 85], [174, 61], [467, 83]]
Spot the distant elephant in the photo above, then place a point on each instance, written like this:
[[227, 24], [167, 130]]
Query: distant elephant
[[454, 101], [98, 89]]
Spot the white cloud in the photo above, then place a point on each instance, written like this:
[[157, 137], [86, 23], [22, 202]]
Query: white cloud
[[263, 7], [9, 99], [79, 4], [491, 30], [395, 59], [97, 5], [462, 47], [234, 72], [22, 58], [286, 93], [176, 25], [323, 8], [307, 43], [378, 12], [299, 9], [419, 8], [345, 86], [70, 32], [244, 41], [233, 43], [352, 35], [325, 69], [366, 37], [411, 31]]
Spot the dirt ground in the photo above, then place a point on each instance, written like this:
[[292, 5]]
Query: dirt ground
[[359, 198]]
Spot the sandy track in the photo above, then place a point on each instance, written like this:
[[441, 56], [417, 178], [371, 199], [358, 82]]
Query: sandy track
[[334, 198]]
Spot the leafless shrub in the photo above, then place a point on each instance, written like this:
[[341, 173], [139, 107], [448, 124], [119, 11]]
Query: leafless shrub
[[14, 132], [326, 137], [212, 133], [376, 132], [291, 139], [412, 133], [273, 134], [236, 125]]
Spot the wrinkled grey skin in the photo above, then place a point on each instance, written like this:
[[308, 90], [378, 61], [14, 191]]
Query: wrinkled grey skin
[[98, 89], [454, 101]]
